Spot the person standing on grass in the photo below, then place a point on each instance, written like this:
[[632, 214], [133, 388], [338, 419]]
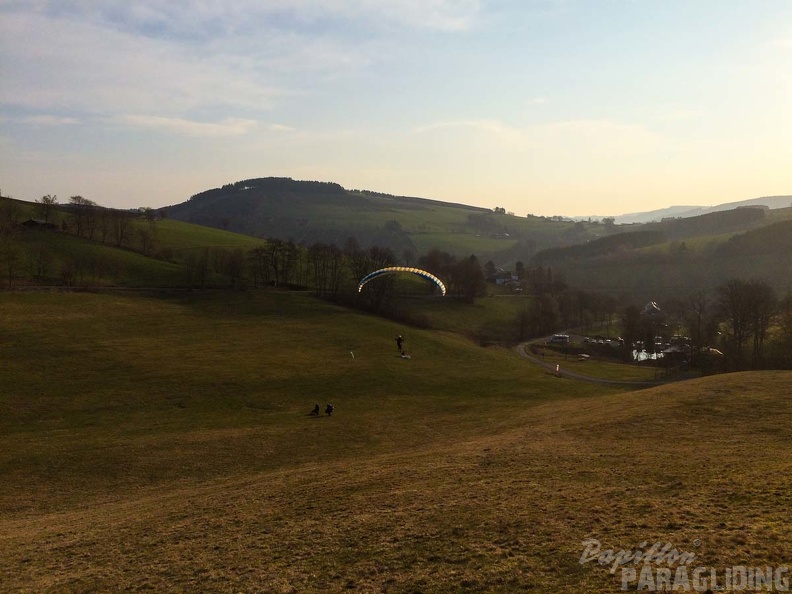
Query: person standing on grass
[[399, 343], [329, 410]]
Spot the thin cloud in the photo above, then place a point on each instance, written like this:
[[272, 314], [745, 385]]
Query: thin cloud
[[202, 19], [49, 120], [446, 15], [567, 136], [489, 126], [280, 128], [197, 57], [678, 115], [227, 128], [607, 132], [70, 65]]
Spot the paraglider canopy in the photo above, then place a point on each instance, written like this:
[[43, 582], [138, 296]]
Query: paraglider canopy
[[651, 309], [398, 269]]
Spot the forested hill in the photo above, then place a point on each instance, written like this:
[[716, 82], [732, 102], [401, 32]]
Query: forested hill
[[676, 257], [271, 184], [311, 212], [304, 211], [651, 259]]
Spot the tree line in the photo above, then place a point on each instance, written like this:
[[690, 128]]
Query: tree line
[[20, 257], [329, 270], [745, 319], [744, 322]]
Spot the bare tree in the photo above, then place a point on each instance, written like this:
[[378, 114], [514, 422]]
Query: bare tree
[[785, 326], [734, 305], [46, 204], [196, 268], [373, 259], [9, 248], [438, 262], [218, 257], [631, 330], [84, 212], [235, 265], [258, 260], [698, 308], [98, 266], [319, 262], [68, 270], [356, 259], [105, 222], [277, 257], [120, 221], [148, 213], [289, 261], [91, 217], [467, 278], [763, 308], [147, 237], [326, 262], [39, 261]]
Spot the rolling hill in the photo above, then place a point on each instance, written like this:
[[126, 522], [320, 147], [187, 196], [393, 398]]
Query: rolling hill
[[164, 444], [680, 256], [309, 212], [651, 261], [684, 255], [150, 253]]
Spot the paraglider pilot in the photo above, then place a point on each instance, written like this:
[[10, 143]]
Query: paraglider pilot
[[329, 410], [399, 343]]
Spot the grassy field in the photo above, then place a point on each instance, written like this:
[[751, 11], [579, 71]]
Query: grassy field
[[492, 318], [163, 444], [598, 367], [459, 243], [120, 267], [181, 237]]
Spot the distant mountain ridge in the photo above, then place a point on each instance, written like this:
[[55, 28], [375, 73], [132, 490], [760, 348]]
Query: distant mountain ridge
[[683, 212]]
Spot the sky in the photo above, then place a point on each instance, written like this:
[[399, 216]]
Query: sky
[[545, 107]]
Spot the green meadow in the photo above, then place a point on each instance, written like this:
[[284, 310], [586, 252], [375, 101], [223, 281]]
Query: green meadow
[[90, 262], [163, 443], [181, 237]]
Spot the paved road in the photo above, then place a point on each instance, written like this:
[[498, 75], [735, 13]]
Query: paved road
[[551, 367]]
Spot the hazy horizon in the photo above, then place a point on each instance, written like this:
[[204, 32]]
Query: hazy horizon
[[548, 107]]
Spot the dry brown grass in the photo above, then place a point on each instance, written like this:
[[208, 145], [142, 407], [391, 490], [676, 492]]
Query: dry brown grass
[[704, 461]]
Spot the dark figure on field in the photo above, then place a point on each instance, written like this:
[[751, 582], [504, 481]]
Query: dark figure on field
[[399, 343], [329, 410], [315, 410]]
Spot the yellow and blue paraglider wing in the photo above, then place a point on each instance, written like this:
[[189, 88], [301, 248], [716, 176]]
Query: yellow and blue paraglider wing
[[398, 269]]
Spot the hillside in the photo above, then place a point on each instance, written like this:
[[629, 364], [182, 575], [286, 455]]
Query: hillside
[[165, 446], [120, 248], [679, 256], [672, 258], [313, 212]]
